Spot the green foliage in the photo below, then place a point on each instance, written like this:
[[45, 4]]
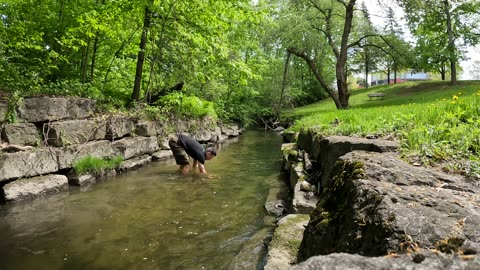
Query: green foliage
[[90, 164], [435, 122], [188, 106], [13, 101]]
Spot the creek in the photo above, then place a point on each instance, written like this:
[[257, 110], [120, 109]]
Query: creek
[[151, 218]]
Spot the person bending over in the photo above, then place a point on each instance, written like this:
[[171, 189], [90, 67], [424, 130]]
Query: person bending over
[[183, 146]]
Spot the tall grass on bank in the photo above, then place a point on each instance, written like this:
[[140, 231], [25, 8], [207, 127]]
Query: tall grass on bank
[[435, 123], [95, 165]]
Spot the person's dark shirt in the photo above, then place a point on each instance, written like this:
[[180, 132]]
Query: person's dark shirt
[[192, 147]]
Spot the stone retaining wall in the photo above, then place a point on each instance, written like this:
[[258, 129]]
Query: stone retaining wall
[[371, 203], [53, 133]]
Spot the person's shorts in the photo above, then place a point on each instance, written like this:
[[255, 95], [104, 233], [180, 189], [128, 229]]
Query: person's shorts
[[181, 157]]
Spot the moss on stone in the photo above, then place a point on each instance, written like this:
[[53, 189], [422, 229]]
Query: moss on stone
[[450, 245], [288, 235]]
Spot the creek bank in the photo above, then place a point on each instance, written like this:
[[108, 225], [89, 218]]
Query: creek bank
[[375, 211], [55, 132]]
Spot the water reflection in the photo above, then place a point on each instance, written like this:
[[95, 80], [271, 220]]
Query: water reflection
[[151, 218]]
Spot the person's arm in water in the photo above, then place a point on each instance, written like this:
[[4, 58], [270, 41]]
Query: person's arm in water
[[202, 168]]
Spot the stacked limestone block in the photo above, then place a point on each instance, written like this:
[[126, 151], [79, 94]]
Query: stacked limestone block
[[55, 132]]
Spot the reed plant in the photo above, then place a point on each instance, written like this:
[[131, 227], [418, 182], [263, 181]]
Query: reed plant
[[436, 123]]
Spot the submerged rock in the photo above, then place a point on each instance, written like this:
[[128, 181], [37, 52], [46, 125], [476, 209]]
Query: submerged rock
[[276, 208], [253, 252]]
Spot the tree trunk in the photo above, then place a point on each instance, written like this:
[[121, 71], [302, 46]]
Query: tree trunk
[[83, 66], [94, 55], [313, 67], [366, 68], [451, 44], [341, 72], [284, 85], [394, 73], [141, 56], [388, 75]]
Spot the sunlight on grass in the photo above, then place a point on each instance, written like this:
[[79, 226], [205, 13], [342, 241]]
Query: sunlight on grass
[[434, 121]]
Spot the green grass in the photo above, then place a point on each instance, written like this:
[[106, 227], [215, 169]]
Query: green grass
[[436, 123], [90, 164]]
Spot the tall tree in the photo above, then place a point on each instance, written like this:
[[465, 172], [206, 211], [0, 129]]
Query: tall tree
[[450, 20], [338, 40], [141, 53]]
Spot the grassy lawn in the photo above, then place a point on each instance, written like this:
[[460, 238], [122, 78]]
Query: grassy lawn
[[436, 123]]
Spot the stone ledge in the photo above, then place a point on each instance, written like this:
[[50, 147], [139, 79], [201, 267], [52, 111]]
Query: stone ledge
[[418, 261], [135, 146], [34, 187], [28, 163], [283, 249], [134, 163]]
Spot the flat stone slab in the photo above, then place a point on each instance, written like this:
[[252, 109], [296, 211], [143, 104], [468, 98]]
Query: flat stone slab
[[283, 249], [28, 163], [63, 133], [68, 155], [414, 261], [21, 134], [162, 154], [87, 179], [30, 188], [82, 180], [136, 146], [134, 163], [119, 127], [43, 109]]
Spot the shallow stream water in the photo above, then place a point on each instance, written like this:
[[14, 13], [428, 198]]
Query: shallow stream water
[[151, 218]]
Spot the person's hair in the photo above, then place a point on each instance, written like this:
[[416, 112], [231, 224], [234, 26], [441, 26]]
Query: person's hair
[[212, 151]]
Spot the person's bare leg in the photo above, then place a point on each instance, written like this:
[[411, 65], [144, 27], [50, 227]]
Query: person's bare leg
[[185, 169]]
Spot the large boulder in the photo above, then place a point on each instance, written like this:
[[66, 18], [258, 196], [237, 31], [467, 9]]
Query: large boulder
[[68, 155], [137, 146], [21, 134], [63, 133], [43, 109], [377, 204], [28, 163], [326, 150], [30, 188], [415, 261]]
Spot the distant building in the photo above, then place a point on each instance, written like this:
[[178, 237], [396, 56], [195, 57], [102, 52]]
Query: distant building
[[402, 76]]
